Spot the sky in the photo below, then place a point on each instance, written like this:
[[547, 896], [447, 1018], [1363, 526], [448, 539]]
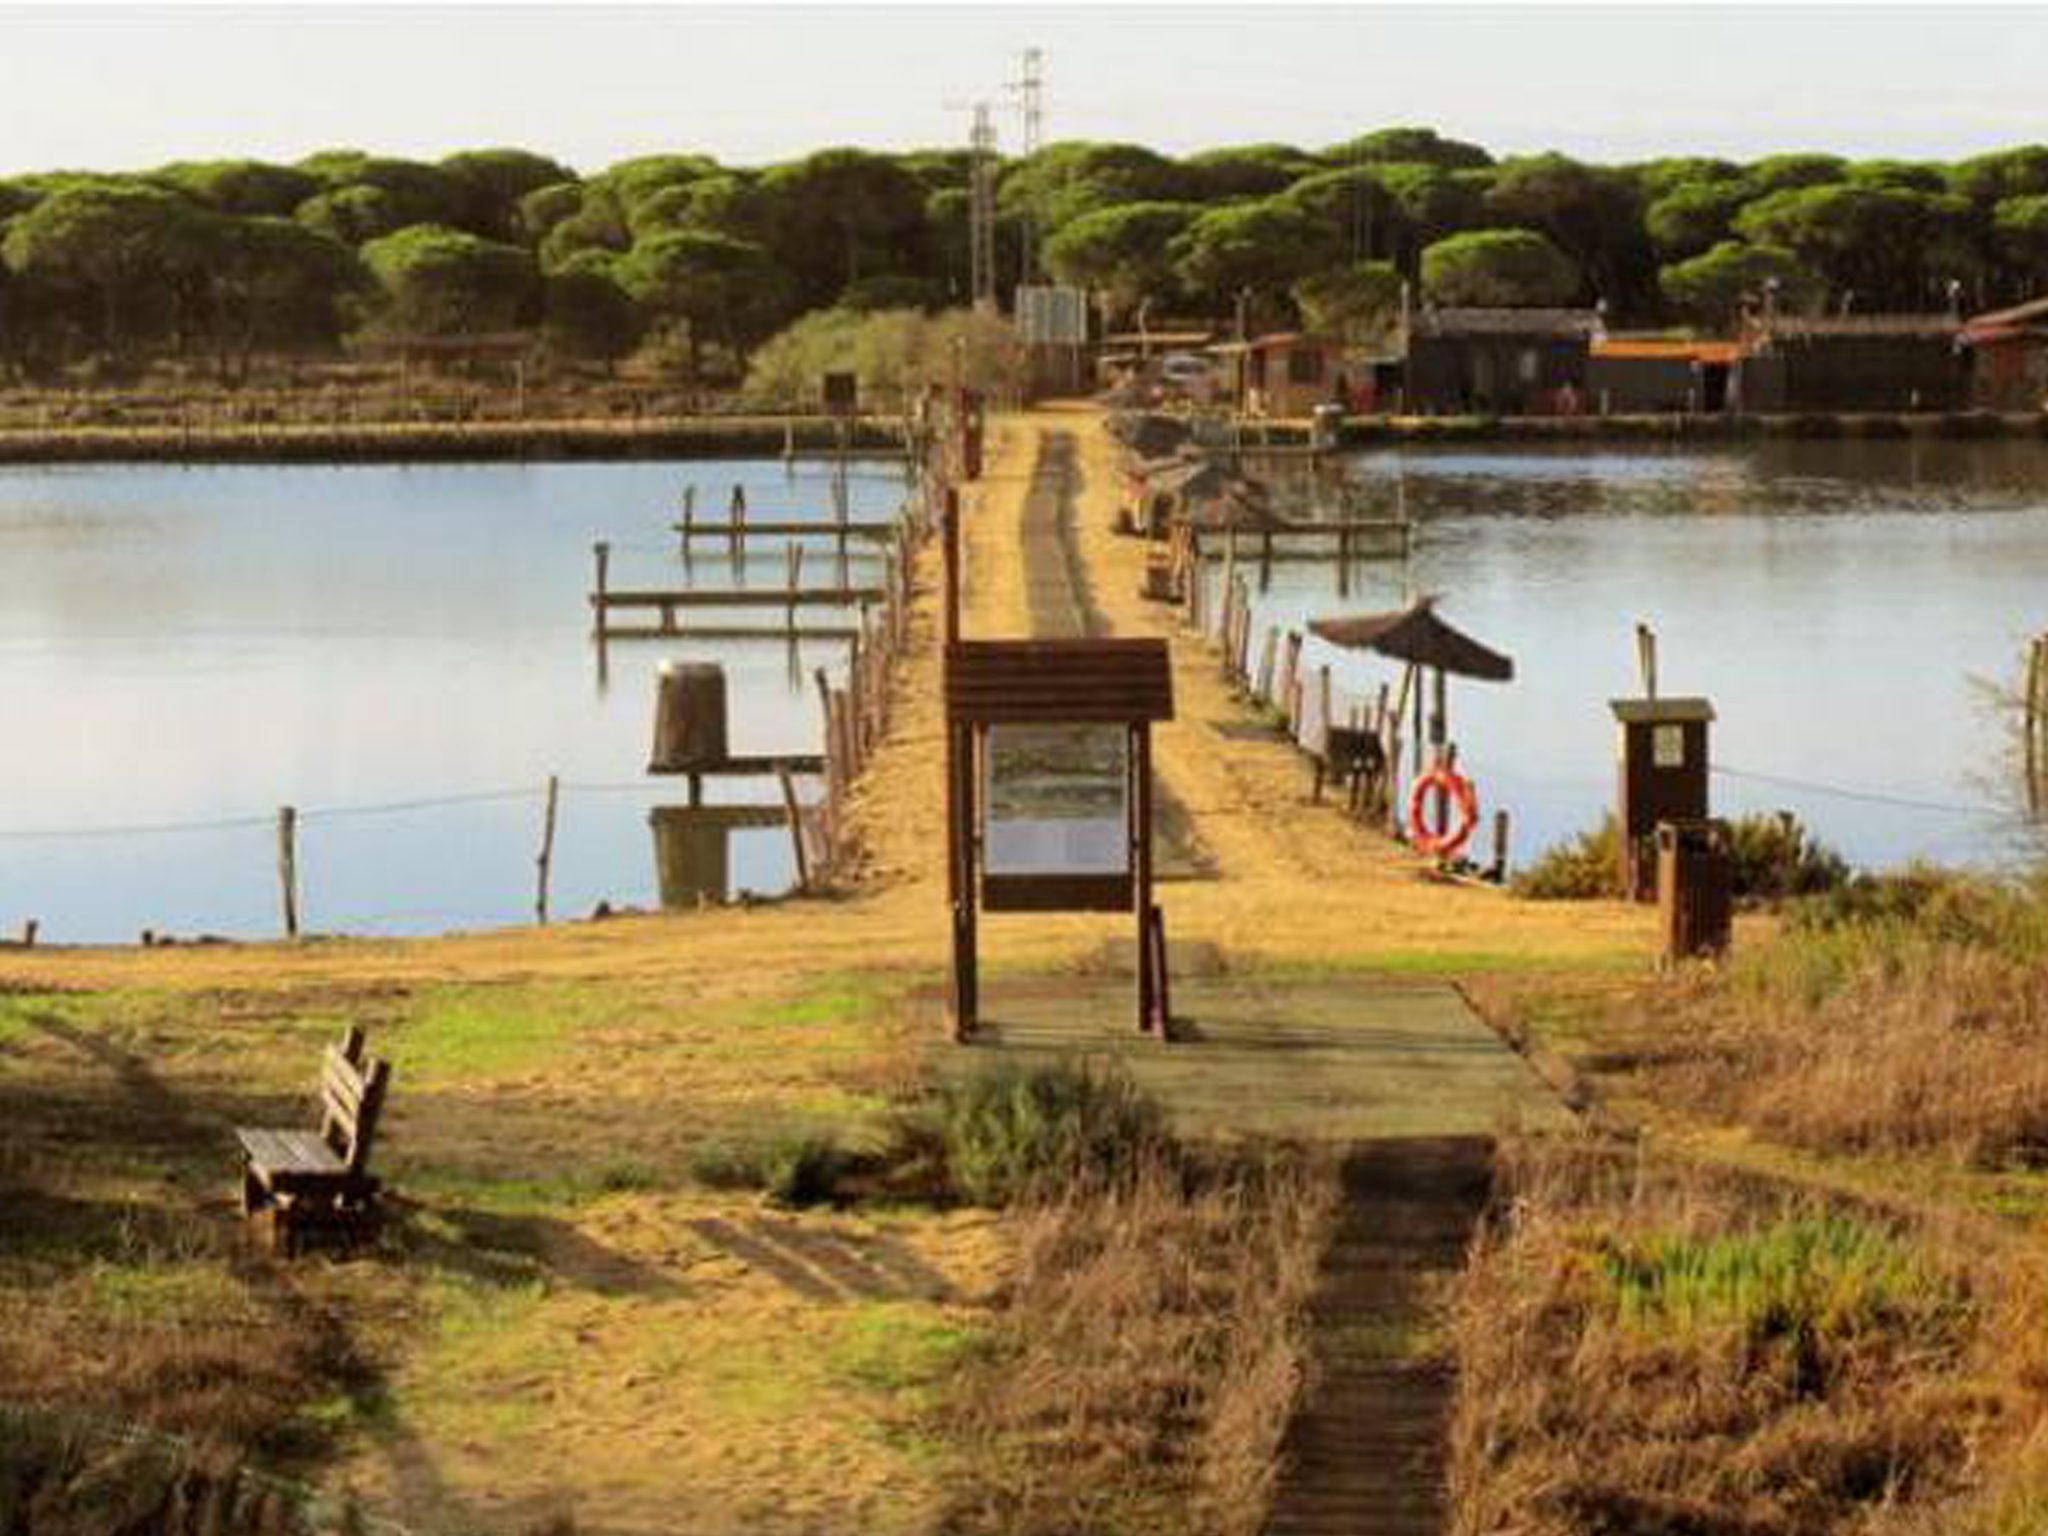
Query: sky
[[123, 87]]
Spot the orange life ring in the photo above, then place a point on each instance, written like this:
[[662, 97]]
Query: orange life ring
[[1448, 841]]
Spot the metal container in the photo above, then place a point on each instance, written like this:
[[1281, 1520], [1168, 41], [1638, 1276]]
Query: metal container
[[1695, 889]]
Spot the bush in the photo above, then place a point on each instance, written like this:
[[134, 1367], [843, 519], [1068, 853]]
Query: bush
[[793, 1170], [1583, 869], [1775, 858], [1017, 1132]]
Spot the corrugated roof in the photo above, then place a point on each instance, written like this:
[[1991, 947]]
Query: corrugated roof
[[2019, 314], [1507, 322], [1807, 326]]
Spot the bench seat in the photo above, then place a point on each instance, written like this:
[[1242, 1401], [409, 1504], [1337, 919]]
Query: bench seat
[[289, 1154]]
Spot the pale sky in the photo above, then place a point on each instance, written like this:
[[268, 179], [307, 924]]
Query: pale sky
[[129, 87]]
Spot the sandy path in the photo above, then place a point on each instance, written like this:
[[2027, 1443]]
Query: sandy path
[[1293, 881]]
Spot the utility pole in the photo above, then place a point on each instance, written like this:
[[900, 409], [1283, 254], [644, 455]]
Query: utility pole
[[1029, 89], [981, 212], [981, 202]]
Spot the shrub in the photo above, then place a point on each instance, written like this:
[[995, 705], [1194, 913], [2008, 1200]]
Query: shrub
[[1774, 858], [1016, 1132], [1584, 868], [792, 1170]]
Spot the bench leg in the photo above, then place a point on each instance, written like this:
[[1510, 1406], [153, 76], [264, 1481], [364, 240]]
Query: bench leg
[[255, 1198]]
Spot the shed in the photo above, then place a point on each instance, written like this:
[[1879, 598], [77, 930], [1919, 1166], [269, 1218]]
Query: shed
[[2008, 352], [1505, 362], [1852, 363], [1629, 375], [1284, 375]]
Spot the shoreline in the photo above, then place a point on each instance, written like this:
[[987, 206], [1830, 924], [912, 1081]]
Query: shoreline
[[735, 437], [754, 437]]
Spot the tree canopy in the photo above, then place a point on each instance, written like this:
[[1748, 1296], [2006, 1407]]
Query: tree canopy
[[226, 257]]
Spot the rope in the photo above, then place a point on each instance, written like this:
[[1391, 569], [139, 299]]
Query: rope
[[330, 812], [1866, 796]]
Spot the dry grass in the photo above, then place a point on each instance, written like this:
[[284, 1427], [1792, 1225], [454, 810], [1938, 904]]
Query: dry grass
[[1910, 1018], [1648, 1350], [1154, 1344]]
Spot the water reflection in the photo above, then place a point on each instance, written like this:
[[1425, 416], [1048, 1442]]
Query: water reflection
[[1055, 800]]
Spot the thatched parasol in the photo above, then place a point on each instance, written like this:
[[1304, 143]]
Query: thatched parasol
[[1415, 634]]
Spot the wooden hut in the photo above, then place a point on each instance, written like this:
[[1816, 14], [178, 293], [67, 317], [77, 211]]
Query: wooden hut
[[2008, 351], [1499, 362], [1795, 363]]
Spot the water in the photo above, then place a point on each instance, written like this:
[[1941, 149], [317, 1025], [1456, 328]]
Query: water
[[188, 649], [186, 646], [1840, 603]]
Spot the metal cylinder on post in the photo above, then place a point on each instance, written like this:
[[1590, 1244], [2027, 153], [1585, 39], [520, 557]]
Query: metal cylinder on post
[[689, 717]]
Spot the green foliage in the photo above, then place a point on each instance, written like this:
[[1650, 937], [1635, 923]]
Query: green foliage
[[889, 352], [1808, 1290], [1713, 287], [442, 281], [1124, 252], [1923, 905], [248, 188], [1246, 171], [588, 312], [1409, 146], [1774, 858], [1358, 303], [1498, 267], [492, 184], [1012, 1133], [1264, 246], [1694, 216], [1583, 868], [711, 286], [1064, 181]]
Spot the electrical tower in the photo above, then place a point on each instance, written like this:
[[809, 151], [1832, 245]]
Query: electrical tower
[[1029, 90], [981, 208]]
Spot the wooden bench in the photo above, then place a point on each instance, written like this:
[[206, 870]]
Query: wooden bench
[[303, 1183]]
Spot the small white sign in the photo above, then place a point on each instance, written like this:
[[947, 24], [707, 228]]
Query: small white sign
[[1667, 746]]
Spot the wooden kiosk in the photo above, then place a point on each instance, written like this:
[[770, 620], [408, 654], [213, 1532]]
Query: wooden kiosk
[[1049, 788]]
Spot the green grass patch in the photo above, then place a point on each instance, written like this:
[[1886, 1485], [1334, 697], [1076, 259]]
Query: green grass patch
[[897, 1346], [1805, 1280], [459, 1034]]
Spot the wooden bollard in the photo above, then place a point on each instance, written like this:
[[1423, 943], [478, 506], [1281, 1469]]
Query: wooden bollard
[[288, 867], [2034, 726], [29, 929], [1497, 868], [1646, 659], [601, 556], [689, 717], [793, 564], [544, 862]]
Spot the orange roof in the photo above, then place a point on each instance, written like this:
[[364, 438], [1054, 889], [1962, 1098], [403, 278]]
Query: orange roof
[[1686, 351]]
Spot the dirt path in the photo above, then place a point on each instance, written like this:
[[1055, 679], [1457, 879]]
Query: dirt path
[[1314, 1017]]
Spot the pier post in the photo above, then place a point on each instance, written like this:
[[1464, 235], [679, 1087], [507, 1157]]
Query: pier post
[[2034, 728], [1646, 659], [288, 867], [545, 861]]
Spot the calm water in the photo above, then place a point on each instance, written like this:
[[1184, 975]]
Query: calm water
[[202, 646], [183, 648], [1835, 601]]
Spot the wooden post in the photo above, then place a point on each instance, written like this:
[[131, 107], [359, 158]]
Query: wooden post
[[1646, 659], [602, 553], [1439, 711], [29, 928], [796, 829], [1497, 871], [1140, 757], [950, 544], [1266, 561], [544, 863], [793, 563], [288, 867], [2034, 727], [1344, 559], [1323, 696]]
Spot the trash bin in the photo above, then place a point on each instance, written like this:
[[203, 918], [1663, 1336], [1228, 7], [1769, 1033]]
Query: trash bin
[[1695, 888]]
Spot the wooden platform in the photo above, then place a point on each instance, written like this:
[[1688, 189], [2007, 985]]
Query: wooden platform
[[1311, 1057], [780, 529]]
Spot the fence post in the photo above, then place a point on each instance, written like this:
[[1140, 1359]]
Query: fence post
[[288, 867], [546, 859]]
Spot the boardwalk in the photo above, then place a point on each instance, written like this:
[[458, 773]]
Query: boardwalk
[[1401, 1074]]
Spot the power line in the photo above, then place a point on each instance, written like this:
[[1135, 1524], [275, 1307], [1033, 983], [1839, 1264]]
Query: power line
[[1866, 796]]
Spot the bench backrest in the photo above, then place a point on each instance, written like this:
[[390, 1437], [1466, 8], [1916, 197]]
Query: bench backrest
[[352, 1089]]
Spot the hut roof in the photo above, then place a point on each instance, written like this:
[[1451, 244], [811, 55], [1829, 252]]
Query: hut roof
[[1416, 634], [1079, 682]]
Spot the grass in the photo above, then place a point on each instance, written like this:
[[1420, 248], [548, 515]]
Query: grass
[[1151, 1353], [1646, 1346], [1018, 1130]]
